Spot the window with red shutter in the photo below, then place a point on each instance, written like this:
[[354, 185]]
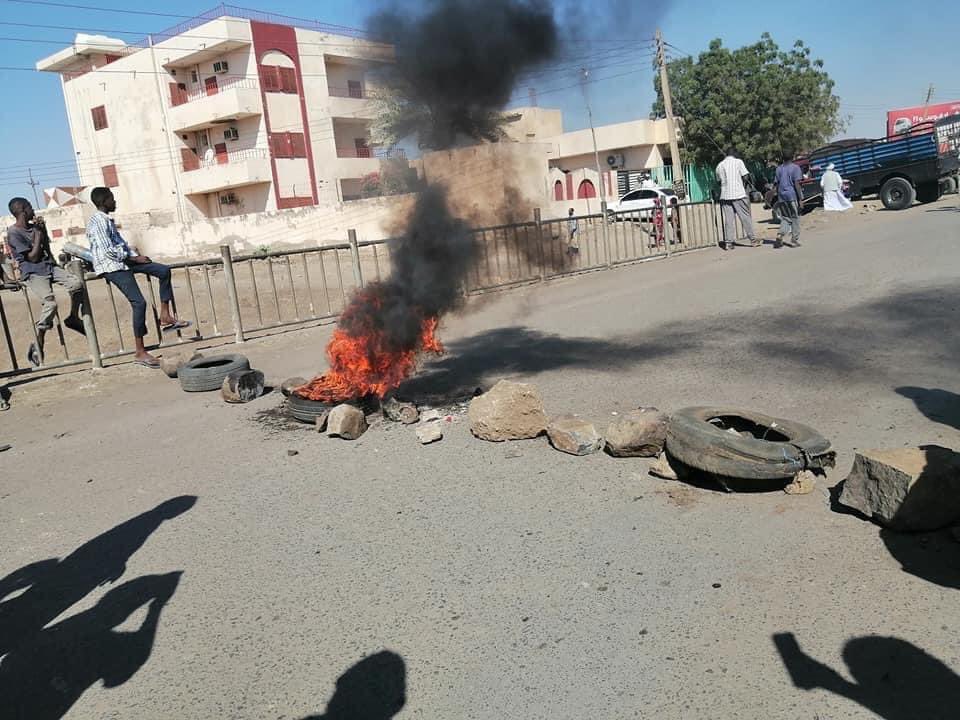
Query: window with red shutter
[[270, 78], [110, 176], [288, 80], [281, 145], [354, 89], [298, 145], [99, 117], [189, 158], [178, 94]]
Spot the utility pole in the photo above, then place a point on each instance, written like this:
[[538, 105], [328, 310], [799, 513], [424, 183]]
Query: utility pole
[[929, 95], [584, 74], [33, 183], [671, 123]]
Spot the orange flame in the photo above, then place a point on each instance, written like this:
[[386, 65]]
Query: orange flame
[[362, 365]]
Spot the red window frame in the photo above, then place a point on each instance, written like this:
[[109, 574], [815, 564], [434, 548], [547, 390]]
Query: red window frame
[[99, 115], [275, 78], [110, 178]]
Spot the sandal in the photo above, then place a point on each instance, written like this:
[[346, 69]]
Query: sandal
[[151, 363], [176, 325], [33, 355]]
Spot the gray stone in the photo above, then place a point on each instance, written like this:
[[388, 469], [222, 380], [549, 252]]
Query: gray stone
[[402, 412], [431, 414], [574, 435], [638, 433], [803, 483], [429, 432], [346, 421], [172, 360], [508, 411], [242, 386], [908, 489], [291, 384], [321, 420], [662, 468]]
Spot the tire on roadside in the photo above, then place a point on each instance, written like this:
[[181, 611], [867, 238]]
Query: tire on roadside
[[789, 448], [208, 373], [306, 410], [949, 185], [897, 194]]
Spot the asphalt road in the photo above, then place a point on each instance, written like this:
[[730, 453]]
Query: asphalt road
[[165, 557]]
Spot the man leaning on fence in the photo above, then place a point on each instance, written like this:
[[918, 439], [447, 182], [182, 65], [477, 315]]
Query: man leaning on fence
[[39, 272], [734, 203], [114, 259]]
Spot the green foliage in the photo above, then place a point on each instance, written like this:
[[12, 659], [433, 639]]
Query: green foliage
[[762, 100]]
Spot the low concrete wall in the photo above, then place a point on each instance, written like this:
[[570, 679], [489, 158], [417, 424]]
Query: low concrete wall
[[159, 234]]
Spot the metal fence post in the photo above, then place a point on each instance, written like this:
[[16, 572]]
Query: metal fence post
[[231, 282], [539, 222], [606, 236], [86, 315], [355, 254]]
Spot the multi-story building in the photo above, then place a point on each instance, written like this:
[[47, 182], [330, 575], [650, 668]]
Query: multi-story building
[[232, 112]]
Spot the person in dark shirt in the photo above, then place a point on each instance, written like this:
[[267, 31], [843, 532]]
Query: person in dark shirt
[[30, 245], [789, 200]]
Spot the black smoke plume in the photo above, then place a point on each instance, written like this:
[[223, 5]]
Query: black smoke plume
[[458, 62]]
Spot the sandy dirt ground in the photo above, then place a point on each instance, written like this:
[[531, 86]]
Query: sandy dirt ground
[[166, 555]]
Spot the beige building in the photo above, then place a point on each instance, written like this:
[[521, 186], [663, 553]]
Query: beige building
[[223, 115], [626, 151]]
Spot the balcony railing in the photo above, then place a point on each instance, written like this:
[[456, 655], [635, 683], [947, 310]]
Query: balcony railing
[[357, 92], [192, 161], [180, 96]]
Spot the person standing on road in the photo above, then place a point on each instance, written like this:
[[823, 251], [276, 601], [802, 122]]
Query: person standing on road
[[789, 199], [573, 229], [114, 259], [30, 246], [832, 185], [734, 203]]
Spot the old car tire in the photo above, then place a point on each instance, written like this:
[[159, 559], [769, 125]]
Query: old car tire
[[949, 186], [929, 192], [208, 373], [306, 410], [897, 193], [696, 441]]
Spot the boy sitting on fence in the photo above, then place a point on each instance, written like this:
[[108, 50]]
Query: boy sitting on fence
[[114, 259], [30, 248]]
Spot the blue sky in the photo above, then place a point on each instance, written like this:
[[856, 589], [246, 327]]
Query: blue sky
[[882, 54]]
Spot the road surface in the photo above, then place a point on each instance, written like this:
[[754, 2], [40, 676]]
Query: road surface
[[506, 580]]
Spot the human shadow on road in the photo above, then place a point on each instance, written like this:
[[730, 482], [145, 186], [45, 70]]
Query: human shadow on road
[[930, 556], [941, 406], [41, 679], [373, 689], [472, 362], [49, 587], [892, 678]]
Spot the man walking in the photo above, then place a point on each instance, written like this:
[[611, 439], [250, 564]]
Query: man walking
[[789, 200], [114, 259], [734, 203], [573, 228], [30, 246]]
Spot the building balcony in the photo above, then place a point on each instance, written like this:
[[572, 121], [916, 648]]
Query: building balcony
[[342, 106], [212, 41], [225, 170], [355, 163], [218, 103]]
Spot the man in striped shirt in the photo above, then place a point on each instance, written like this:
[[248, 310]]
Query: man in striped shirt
[[734, 203], [114, 259]]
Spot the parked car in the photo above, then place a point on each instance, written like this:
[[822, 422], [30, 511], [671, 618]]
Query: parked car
[[639, 204]]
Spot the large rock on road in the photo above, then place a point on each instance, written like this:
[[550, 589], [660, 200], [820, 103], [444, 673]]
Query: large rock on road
[[508, 411], [638, 433], [908, 489]]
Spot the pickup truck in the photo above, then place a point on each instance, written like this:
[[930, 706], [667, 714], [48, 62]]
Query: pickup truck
[[901, 168]]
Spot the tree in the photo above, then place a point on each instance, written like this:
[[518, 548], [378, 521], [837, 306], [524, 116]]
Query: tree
[[758, 98], [395, 178]]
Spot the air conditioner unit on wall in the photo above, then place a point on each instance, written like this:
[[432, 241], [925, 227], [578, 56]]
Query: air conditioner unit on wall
[[221, 66], [231, 133], [615, 161]]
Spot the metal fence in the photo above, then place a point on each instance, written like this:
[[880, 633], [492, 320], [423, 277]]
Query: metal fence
[[233, 296]]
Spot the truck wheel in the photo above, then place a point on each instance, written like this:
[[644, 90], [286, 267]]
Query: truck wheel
[[897, 194], [949, 185], [929, 192]]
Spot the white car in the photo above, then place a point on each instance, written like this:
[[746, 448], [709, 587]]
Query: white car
[[639, 204]]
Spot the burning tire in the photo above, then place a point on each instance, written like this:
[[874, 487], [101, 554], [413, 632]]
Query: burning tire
[[306, 410], [763, 448], [208, 373]]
